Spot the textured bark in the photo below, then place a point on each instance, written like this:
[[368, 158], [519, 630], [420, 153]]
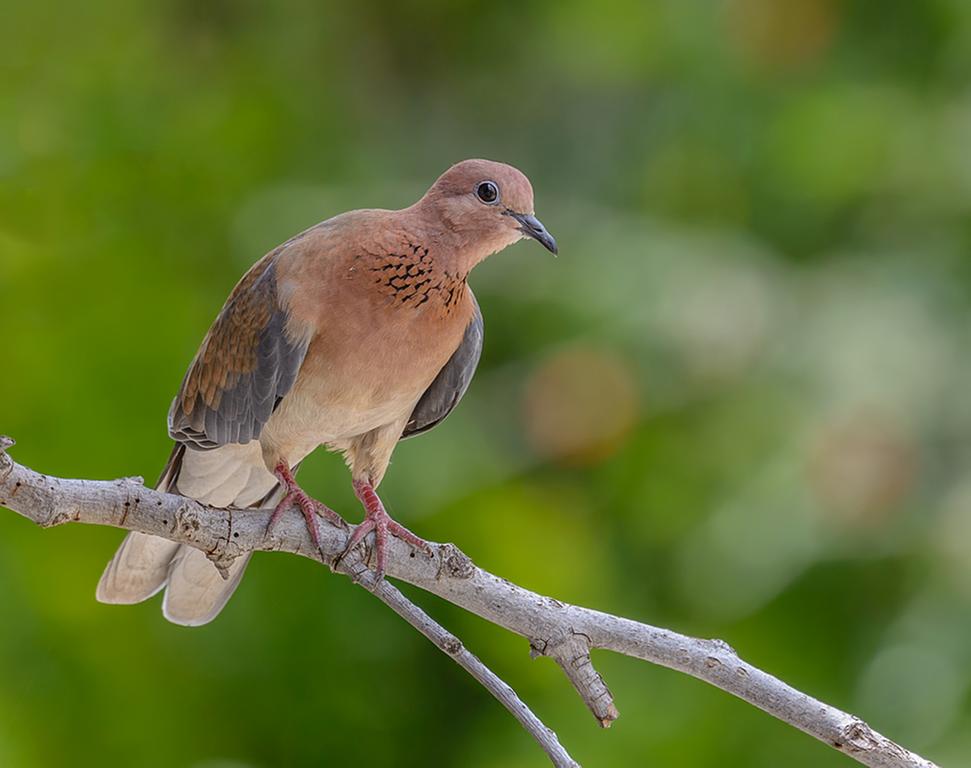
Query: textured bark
[[564, 632]]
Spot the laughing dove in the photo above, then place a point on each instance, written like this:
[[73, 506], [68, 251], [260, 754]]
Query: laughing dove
[[355, 334]]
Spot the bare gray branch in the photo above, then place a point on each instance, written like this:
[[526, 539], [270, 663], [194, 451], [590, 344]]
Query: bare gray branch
[[564, 632]]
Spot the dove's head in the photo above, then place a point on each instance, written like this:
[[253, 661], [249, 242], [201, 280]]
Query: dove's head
[[486, 206]]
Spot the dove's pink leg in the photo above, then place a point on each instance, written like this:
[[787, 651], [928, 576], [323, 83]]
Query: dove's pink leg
[[310, 507], [377, 519]]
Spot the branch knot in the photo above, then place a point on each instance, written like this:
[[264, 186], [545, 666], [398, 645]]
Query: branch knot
[[6, 463], [455, 564], [857, 736]]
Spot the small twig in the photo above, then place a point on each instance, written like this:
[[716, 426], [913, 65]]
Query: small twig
[[452, 646], [572, 653], [565, 632], [353, 565]]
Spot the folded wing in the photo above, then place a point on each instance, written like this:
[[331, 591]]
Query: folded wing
[[246, 364], [451, 382]]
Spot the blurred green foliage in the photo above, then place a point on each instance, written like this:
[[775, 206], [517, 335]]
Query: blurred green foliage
[[736, 405]]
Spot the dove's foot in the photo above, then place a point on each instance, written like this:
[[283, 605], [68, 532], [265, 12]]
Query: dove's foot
[[378, 520], [310, 508]]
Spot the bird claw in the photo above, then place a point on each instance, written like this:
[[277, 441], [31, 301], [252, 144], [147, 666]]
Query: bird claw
[[310, 507], [381, 523]]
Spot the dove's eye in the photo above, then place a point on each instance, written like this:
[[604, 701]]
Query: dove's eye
[[487, 192]]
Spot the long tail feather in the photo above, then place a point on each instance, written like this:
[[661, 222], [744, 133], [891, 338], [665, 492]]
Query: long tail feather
[[138, 570], [195, 591]]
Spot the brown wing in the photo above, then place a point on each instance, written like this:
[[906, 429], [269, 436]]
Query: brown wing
[[245, 366]]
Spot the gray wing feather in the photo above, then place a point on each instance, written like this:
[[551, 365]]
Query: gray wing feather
[[448, 387], [262, 362]]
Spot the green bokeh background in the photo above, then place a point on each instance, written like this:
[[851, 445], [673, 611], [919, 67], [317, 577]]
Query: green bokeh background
[[736, 405]]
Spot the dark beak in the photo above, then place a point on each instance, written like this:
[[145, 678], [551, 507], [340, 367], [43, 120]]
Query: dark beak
[[533, 227]]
